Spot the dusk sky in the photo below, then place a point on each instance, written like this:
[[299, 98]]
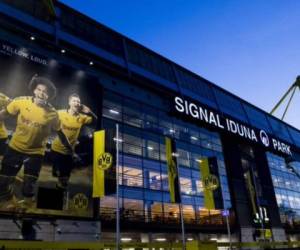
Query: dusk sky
[[250, 48]]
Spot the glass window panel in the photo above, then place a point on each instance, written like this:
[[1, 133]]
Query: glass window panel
[[151, 150], [295, 134], [186, 185], [155, 180], [280, 130], [171, 212], [150, 61], [257, 118], [156, 211], [132, 177], [153, 195], [165, 182], [188, 213], [199, 187], [183, 158], [132, 149], [287, 191], [132, 204], [230, 105], [108, 206], [196, 85]]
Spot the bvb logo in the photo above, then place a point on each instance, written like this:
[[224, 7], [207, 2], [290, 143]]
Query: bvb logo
[[80, 201], [211, 182], [105, 161]]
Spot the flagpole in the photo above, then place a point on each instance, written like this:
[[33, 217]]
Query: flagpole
[[117, 190], [182, 227], [174, 154], [181, 213]]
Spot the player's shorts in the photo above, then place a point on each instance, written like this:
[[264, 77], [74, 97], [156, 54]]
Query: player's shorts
[[3, 145], [13, 161], [62, 164]]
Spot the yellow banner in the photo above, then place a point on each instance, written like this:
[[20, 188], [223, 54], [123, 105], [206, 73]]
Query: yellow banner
[[98, 172], [172, 169], [209, 202], [251, 191]]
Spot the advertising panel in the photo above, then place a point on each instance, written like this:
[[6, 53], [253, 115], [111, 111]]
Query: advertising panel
[[48, 115]]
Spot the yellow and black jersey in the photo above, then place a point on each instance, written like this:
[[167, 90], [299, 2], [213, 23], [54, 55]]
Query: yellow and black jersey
[[4, 100], [71, 125], [34, 125]]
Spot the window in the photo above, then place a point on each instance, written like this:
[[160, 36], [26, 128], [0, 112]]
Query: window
[[196, 85], [257, 118], [157, 211], [150, 61], [143, 157], [155, 180], [131, 177], [295, 134], [230, 105], [188, 213], [91, 31], [280, 129], [34, 8], [286, 186], [171, 212], [132, 210], [186, 185]]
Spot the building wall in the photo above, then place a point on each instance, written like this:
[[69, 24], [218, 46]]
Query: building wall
[[139, 101]]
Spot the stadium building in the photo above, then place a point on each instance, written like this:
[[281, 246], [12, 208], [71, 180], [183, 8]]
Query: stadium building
[[235, 162]]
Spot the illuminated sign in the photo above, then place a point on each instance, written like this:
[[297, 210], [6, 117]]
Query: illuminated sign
[[202, 114]]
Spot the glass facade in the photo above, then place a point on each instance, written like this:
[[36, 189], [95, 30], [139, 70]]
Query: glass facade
[[287, 189], [102, 37], [143, 172]]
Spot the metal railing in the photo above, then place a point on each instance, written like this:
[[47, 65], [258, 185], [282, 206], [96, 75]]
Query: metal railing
[[167, 218]]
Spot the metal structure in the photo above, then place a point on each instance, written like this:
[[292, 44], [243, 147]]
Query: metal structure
[[292, 90]]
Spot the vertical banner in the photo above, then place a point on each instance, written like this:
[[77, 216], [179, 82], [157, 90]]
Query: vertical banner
[[110, 181], [98, 172], [104, 172], [211, 187], [172, 171], [251, 192]]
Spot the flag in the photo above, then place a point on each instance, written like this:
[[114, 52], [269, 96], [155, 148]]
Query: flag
[[104, 167], [251, 192], [211, 183], [172, 171]]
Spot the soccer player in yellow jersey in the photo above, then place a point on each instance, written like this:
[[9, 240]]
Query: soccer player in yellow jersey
[[72, 119], [36, 118], [4, 101]]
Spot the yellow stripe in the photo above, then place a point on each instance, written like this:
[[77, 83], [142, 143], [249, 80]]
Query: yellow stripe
[[98, 173], [209, 202], [171, 169]]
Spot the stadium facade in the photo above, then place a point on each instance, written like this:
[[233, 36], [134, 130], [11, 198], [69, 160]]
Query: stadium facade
[[253, 156]]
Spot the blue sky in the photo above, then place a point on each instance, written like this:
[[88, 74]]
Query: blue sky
[[250, 48]]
